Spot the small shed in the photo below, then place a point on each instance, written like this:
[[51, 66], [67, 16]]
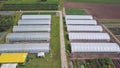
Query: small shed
[[41, 54]]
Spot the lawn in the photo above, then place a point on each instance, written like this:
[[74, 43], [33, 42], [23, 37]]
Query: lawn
[[97, 1], [51, 60], [73, 11]]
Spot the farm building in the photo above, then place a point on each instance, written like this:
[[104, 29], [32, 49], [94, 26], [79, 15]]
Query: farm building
[[81, 22], [88, 28], [36, 17], [30, 48], [13, 57], [27, 37], [95, 48], [89, 36], [22, 29], [78, 17], [13, 65], [34, 22]]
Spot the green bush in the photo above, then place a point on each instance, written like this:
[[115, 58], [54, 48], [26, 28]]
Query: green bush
[[7, 21], [38, 6]]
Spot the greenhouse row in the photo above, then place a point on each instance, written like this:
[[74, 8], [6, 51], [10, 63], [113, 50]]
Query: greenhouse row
[[84, 28], [31, 28], [25, 34]]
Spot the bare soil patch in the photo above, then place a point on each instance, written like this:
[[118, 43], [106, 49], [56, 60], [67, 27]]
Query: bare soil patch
[[100, 11]]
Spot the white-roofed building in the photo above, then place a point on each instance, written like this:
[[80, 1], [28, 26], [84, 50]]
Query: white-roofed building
[[27, 37], [34, 22], [22, 29], [89, 36], [78, 17], [9, 65], [81, 22], [84, 28], [30, 48], [95, 48], [36, 17]]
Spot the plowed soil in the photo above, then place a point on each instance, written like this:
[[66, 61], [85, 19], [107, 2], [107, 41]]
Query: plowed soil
[[100, 11]]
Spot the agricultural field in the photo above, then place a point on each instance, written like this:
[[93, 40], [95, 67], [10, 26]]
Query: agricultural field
[[28, 1], [97, 1], [51, 60], [30, 5], [111, 22], [41, 13], [73, 11], [94, 63]]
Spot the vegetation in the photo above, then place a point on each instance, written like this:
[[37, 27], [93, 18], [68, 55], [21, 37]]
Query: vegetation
[[111, 22], [28, 1], [51, 60], [115, 31], [1, 4], [73, 11], [44, 13], [40, 6], [30, 5], [7, 21], [94, 63], [97, 1]]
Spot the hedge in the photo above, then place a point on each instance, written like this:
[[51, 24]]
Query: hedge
[[40, 6]]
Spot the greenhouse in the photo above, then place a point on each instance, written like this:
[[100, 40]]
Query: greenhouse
[[27, 37], [22, 29], [78, 17], [95, 48], [36, 17], [81, 22], [30, 48], [34, 22], [72, 28], [89, 36]]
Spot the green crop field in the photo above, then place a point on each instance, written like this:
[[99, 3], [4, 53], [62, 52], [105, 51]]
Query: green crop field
[[27, 1], [111, 22], [51, 60], [97, 1], [73, 11]]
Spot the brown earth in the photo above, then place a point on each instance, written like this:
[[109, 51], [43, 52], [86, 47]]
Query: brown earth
[[100, 11]]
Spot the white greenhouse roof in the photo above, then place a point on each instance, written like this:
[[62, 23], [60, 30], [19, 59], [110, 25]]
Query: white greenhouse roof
[[78, 17], [36, 17], [30, 48], [34, 22], [89, 36], [94, 47], [22, 37], [72, 28], [9, 65], [81, 22], [31, 29]]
